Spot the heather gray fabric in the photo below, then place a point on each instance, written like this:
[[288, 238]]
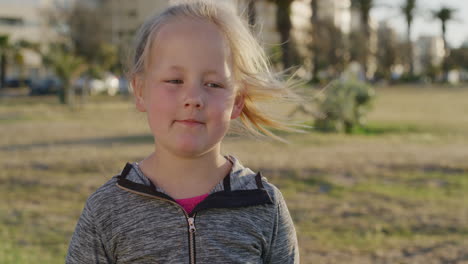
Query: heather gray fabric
[[118, 226]]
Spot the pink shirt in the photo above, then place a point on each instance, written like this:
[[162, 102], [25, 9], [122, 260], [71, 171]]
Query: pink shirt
[[189, 203]]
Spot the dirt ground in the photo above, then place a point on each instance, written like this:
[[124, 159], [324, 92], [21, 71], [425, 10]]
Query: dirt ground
[[398, 194]]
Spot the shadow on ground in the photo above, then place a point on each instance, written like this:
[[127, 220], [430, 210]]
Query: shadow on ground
[[99, 142]]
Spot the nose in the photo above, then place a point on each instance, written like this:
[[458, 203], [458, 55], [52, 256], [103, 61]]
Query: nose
[[193, 98], [193, 102]]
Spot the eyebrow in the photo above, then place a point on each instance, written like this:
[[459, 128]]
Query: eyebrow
[[175, 67], [181, 68]]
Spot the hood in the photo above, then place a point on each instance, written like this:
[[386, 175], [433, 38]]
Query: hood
[[240, 177], [241, 187]]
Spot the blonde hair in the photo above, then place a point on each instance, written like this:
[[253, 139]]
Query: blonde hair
[[251, 66]]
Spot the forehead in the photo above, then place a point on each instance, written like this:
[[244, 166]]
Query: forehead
[[190, 39], [190, 27]]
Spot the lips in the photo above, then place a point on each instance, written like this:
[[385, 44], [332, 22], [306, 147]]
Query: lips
[[190, 122]]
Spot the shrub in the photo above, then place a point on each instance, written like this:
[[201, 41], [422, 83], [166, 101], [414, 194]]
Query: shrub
[[343, 105]]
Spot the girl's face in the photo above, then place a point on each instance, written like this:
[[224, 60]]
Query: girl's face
[[188, 89]]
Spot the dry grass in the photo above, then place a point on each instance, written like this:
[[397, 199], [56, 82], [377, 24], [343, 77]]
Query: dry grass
[[397, 195]]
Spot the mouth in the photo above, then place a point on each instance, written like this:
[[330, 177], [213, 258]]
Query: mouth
[[189, 122]]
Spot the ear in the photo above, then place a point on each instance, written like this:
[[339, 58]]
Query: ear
[[238, 106], [138, 91]]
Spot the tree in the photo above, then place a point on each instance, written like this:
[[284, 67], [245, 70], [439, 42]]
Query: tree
[[408, 9], [284, 26], [356, 47], [67, 67], [444, 14], [4, 44], [13, 52], [251, 12], [364, 7], [327, 46], [386, 53], [82, 48], [81, 28], [86, 31], [314, 21], [329, 50], [458, 58]]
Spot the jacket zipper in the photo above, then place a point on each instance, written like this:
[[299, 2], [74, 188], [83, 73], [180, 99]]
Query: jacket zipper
[[192, 230], [190, 221]]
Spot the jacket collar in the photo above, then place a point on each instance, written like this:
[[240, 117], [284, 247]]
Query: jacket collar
[[240, 177], [241, 187]]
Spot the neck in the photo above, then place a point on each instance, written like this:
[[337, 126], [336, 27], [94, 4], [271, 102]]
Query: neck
[[182, 177]]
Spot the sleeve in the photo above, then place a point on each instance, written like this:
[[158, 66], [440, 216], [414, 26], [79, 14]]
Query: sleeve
[[86, 245], [284, 248]]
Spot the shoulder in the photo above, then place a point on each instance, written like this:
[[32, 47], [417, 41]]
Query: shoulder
[[243, 178], [255, 181], [104, 196], [104, 190], [273, 191]]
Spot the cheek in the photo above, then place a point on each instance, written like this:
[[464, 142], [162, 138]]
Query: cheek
[[161, 98], [160, 108], [223, 107]]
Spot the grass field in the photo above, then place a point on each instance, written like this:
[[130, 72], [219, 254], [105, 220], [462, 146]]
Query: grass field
[[398, 194]]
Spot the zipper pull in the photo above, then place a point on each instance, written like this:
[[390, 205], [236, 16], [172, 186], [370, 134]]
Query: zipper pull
[[191, 222]]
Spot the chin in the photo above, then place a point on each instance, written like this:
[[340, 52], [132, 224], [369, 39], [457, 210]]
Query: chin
[[191, 150]]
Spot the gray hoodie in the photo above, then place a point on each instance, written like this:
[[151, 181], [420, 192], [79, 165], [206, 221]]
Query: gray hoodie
[[129, 220]]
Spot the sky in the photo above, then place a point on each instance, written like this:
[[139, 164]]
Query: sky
[[424, 24]]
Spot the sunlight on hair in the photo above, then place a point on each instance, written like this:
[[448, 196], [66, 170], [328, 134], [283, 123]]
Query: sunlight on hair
[[252, 70]]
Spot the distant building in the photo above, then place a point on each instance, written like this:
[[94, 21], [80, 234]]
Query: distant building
[[337, 12], [465, 43], [122, 18], [25, 22], [343, 17], [428, 51], [265, 20]]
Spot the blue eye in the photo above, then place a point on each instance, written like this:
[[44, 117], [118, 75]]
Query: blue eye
[[176, 81]]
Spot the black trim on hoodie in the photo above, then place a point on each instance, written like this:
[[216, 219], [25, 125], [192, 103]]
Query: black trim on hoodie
[[258, 179], [227, 183], [221, 199]]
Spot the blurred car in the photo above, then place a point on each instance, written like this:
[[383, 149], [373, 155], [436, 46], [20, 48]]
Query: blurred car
[[124, 86], [16, 82], [109, 85], [49, 85]]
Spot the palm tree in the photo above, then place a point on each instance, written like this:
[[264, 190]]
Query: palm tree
[[12, 51], [364, 7], [67, 67], [408, 9], [18, 48], [444, 14]]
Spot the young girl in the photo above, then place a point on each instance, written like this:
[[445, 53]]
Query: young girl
[[196, 68]]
